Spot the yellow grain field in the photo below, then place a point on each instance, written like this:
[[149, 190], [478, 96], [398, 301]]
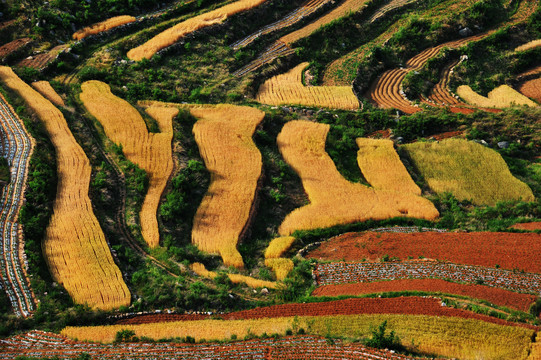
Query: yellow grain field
[[348, 6], [74, 246], [201, 270], [501, 97], [280, 266], [444, 336], [468, 170], [288, 89], [382, 168], [175, 33], [333, 199], [278, 247], [535, 352], [151, 151], [45, 89], [224, 136], [103, 26], [532, 44]]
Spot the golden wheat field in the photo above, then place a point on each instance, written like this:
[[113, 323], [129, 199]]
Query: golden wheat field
[[224, 136], [531, 45], [502, 97], [333, 199], [278, 247], [468, 170], [74, 246], [254, 283], [124, 125], [348, 6], [288, 89], [103, 26], [445, 336], [45, 89], [382, 168], [175, 33], [280, 266]]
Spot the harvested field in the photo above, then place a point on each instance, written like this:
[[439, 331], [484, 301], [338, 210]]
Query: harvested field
[[16, 147], [175, 33], [531, 45], [495, 296], [306, 9], [224, 136], [341, 273], [501, 97], [75, 247], [45, 89], [200, 270], [124, 125], [528, 226], [41, 61], [288, 89], [531, 89], [13, 46], [103, 26], [41, 344], [382, 168], [283, 46], [508, 250], [333, 199], [468, 170]]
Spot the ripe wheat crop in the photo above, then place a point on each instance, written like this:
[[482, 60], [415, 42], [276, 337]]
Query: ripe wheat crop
[[278, 247], [333, 199], [45, 89], [201, 270], [468, 170], [224, 136], [531, 45], [151, 151], [103, 26], [382, 168], [74, 245], [175, 33], [288, 89], [501, 97], [280, 266]]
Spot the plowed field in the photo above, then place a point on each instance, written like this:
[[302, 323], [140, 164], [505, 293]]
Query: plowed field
[[496, 296], [508, 250], [528, 226], [13, 46]]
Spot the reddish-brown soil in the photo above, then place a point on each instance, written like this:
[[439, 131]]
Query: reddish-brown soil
[[41, 61], [447, 135], [402, 305], [496, 296], [508, 250], [531, 89], [13, 46], [528, 226]]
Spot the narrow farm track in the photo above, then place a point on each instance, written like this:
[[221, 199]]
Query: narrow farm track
[[16, 148], [40, 344], [306, 9], [342, 273]]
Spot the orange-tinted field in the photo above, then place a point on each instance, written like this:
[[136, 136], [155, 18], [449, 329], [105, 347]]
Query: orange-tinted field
[[496, 296], [508, 250], [528, 226]]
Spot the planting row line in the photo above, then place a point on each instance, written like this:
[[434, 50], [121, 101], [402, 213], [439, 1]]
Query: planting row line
[[341, 272], [38, 344], [16, 148]]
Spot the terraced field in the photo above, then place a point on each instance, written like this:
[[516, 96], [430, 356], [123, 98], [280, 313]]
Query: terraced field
[[41, 61], [17, 147], [103, 26], [13, 46]]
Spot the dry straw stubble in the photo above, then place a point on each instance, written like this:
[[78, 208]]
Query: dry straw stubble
[[175, 33], [224, 136], [333, 199], [124, 125], [103, 26], [288, 89], [74, 246]]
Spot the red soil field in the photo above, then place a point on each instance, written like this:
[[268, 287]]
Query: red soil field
[[508, 250], [13, 46], [528, 226], [401, 305], [496, 296], [531, 89]]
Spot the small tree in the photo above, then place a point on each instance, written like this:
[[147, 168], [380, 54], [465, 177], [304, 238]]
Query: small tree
[[125, 335], [381, 341]]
